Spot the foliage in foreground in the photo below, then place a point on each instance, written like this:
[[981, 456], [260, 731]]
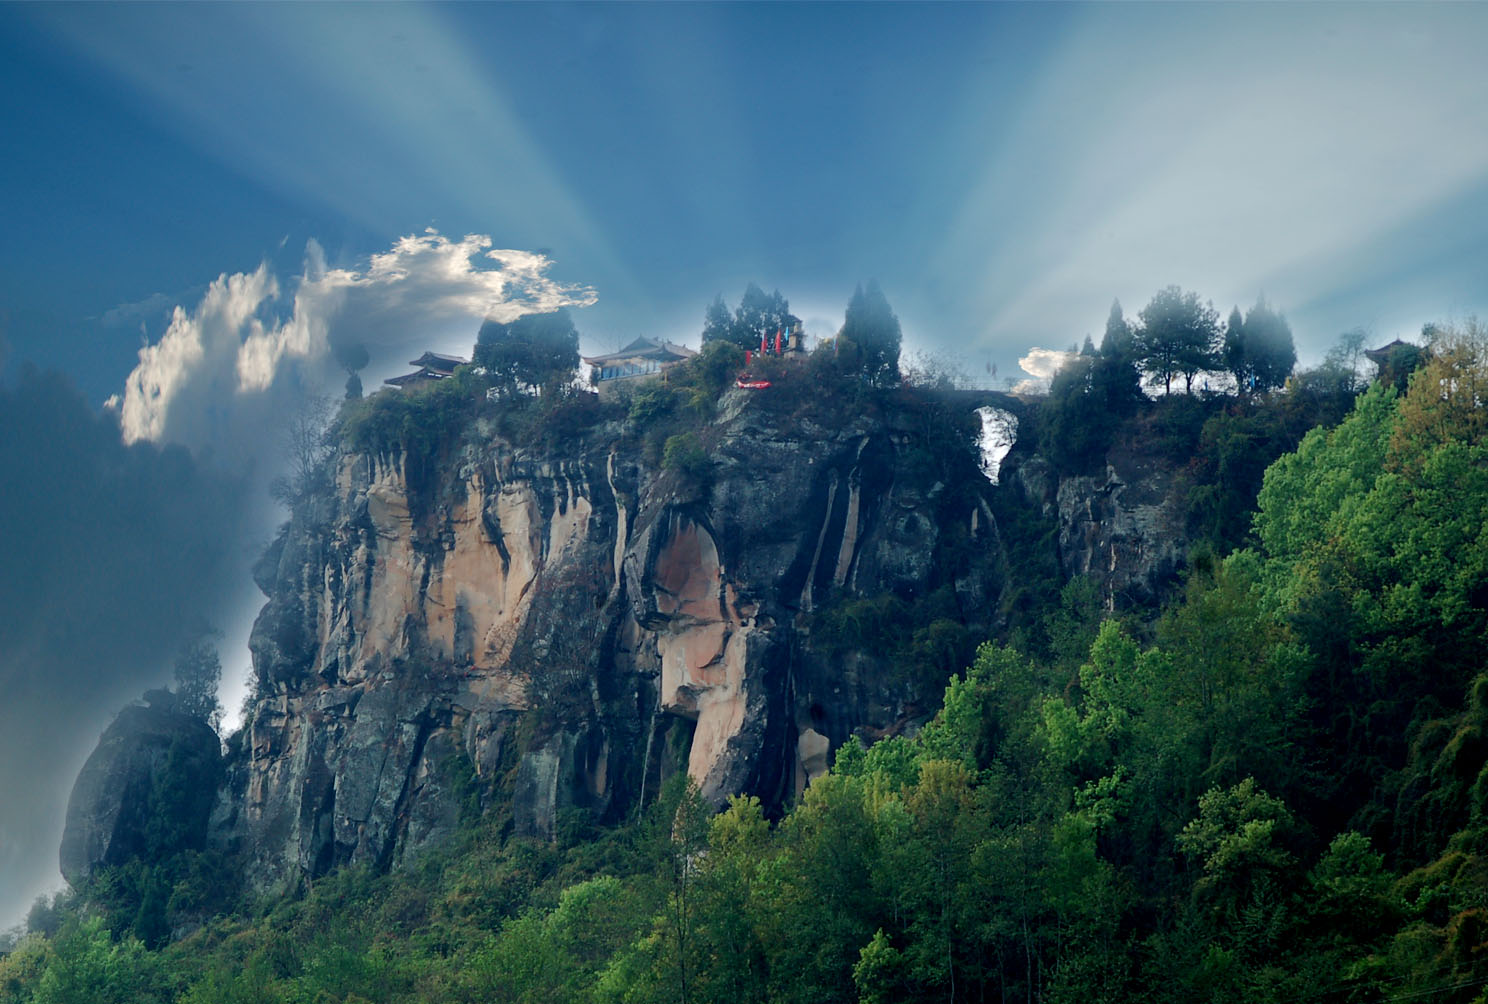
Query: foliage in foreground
[[1275, 793]]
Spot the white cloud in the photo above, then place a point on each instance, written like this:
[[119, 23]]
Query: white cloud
[[1042, 364], [229, 363], [184, 367]]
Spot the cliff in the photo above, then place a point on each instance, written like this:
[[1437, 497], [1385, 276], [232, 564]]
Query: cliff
[[538, 632]]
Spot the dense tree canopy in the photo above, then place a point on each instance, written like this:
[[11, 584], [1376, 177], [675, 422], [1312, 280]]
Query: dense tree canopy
[[1088, 398], [1258, 350], [536, 351], [758, 317]]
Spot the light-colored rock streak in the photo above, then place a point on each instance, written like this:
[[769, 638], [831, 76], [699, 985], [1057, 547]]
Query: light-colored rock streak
[[849, 529], [821, 537], [621, 528], [811, 757], [703, 647], [999, 431]]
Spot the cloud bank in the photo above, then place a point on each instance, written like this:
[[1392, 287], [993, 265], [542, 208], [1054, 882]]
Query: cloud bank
[[243, 354]]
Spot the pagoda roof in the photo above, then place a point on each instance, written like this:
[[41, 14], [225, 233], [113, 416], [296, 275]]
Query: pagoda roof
[[438, 361], [644, 348], [418, 376], [1382, 353]]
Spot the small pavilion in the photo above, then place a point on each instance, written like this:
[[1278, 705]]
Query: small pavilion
[[431, 366]]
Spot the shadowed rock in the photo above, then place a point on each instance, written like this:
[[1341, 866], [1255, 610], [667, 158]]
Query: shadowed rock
[[146, 789], [569, 627]]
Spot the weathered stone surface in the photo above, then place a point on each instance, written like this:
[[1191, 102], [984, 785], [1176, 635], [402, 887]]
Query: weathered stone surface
[[121, 787], [573, 627], [1123, 527]]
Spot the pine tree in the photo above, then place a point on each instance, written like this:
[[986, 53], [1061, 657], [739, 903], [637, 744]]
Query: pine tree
[[717, 321], [870, 324], [1178, 337], [198, 670], [1117, 343]]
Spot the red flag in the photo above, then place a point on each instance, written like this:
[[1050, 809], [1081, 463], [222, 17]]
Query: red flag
[[777, 341], [746, 357], [763, 346]]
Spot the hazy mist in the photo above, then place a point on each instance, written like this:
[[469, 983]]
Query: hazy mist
[[108, 556]]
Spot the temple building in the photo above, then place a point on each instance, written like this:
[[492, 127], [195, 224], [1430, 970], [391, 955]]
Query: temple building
[[643, 357], [431, 366]]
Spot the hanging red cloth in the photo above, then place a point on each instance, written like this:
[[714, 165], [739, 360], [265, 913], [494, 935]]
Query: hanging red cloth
[[746, 357], [777, 341]]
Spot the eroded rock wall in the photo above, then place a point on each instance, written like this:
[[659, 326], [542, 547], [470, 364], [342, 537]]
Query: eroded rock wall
[[562, 624], [1124, 527]]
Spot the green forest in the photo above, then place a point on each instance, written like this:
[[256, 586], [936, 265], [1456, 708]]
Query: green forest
[[1275, 788]]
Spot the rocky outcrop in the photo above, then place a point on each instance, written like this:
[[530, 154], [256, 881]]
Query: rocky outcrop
[[535, 632], [1123, 527], [568, 628], [146, 790]]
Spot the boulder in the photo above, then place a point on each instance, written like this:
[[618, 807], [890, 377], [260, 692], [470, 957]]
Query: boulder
[[146, 790]]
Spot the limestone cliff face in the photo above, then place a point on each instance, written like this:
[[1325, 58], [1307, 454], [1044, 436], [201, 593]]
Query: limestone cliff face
[[572, 626], [1124, 527]]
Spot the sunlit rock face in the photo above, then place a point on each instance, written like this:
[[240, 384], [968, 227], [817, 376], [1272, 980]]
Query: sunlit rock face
[[573, 626]]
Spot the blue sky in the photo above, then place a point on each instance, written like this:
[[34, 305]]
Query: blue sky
[[1003, 170], [202, 199]]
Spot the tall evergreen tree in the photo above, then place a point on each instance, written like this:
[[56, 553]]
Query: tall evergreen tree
[[717, 321], [1233, 350], [870, 324], [1117, 342], [1259, 350], [198, 671]]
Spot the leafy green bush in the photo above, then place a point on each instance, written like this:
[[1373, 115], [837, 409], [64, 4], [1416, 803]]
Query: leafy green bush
[[684, 454]]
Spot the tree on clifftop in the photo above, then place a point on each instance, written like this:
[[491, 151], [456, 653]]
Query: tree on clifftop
[[352, 357], [198, 671], [758, 317], [1259, 350], [1178, 337], [1117, 343], [870, 324], [717, 321], [535, 350]]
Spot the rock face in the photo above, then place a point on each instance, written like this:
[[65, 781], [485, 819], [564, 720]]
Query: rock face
[[1123, 527], [152, 762], [558, 632]]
